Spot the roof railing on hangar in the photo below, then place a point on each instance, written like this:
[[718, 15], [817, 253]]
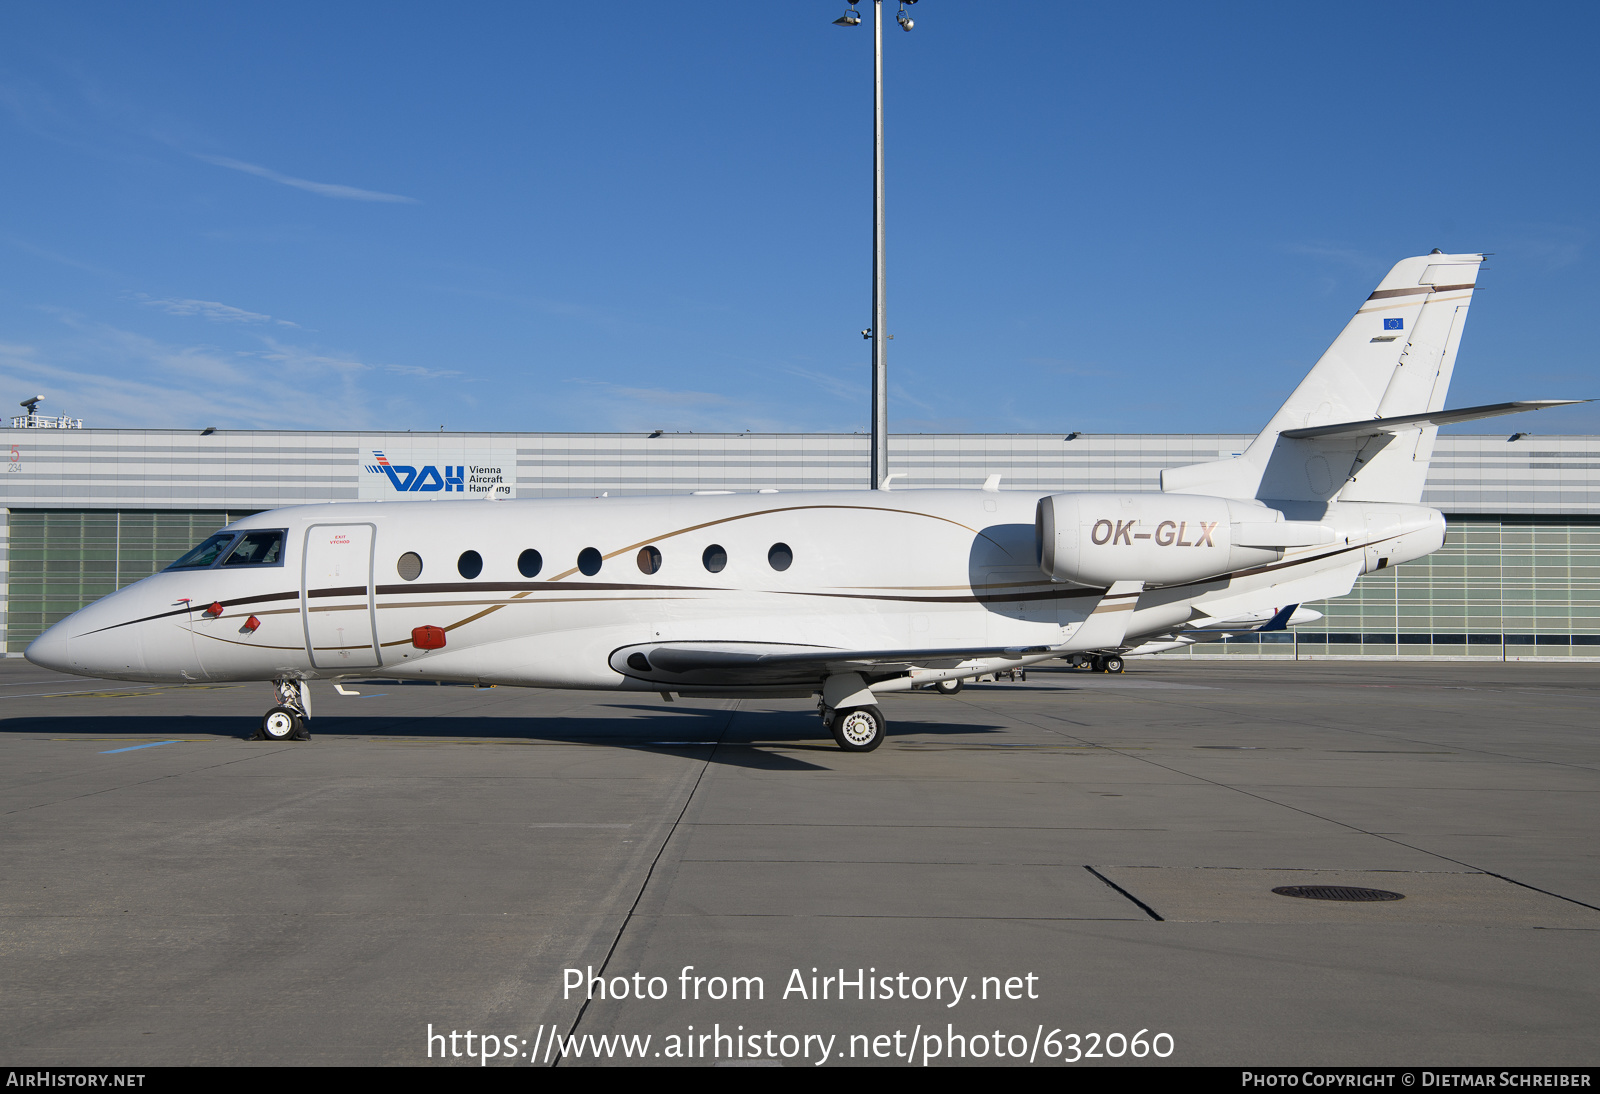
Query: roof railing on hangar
[[46, 421]]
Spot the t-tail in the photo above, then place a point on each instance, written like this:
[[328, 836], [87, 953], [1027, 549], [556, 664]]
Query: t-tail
[[1361, 425]]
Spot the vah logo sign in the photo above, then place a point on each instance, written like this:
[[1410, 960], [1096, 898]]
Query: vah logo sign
[[445, 473]]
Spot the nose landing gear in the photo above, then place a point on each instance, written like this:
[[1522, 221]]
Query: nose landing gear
[[287, 720]]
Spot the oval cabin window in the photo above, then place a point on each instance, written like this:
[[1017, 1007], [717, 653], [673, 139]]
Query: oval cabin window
[[470, 564], [715, 558], [529, 563], [649, 560], [589, 561], [780, 557], [410, 566]]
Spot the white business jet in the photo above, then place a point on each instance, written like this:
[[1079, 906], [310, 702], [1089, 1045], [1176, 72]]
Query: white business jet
[[839, 596]]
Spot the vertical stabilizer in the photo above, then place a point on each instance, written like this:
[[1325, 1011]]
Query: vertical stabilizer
[[1394, 357]]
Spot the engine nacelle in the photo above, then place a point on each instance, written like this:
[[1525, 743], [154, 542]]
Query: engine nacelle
[[1160, 539]]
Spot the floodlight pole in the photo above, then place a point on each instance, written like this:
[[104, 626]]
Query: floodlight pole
[[880, 322]]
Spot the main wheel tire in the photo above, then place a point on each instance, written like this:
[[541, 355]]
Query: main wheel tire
[[281, 724], [1113, 663], [1097, 664], [859, 729], [947, 687]]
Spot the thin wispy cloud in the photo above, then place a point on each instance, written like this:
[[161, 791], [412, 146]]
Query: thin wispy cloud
[[629, 409], [63, 260], [105, 399], [325, 189], [212, 310], [1546, 246], [1065, 366], [421, 373], [1348, 256], [120, 378], [302, 358], [835, 386]]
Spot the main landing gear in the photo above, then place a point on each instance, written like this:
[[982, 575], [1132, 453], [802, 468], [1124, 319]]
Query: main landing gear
[[287, 720], [1097, 662], [858, 729]]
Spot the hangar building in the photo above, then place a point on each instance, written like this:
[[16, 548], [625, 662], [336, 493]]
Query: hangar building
[[86, 511]]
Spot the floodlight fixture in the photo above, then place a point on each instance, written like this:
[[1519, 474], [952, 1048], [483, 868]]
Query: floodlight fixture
[[850, 18]]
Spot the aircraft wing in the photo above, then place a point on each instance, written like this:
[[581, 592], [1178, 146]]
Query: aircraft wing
[[672, 665], [759, 664]]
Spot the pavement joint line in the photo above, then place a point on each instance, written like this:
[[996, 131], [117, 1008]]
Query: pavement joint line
[[917, 827], [1351, 827], [622, 928], [1007, 863], [919, 918]]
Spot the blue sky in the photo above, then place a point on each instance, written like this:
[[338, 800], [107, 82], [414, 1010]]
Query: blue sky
[[630, 216]]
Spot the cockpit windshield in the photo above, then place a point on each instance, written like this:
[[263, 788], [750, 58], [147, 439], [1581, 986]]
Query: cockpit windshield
[[263, 548], [257, 549], [205, 554]]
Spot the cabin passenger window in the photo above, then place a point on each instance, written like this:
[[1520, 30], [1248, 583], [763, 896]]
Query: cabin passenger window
[[205, 554], [257, 549], [780, 557], [410, 566], [470, 564], [715, 558], [529, 563], [649, 560], [589, 561]]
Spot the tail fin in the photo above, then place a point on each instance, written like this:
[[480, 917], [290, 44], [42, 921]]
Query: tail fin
[[1393, 359]]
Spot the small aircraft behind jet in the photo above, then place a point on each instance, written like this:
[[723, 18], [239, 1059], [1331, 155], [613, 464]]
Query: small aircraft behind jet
[[833, 595]]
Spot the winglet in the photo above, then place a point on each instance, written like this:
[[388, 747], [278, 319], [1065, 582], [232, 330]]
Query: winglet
[[1107, 625], [1279, 622]]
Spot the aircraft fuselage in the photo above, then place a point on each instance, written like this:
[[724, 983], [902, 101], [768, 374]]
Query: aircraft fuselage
[[355, 584]]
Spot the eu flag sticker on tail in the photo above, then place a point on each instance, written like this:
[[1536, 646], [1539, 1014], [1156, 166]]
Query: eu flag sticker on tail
[[1394, 324]]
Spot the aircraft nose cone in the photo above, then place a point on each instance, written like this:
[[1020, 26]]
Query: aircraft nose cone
[[49, 650]]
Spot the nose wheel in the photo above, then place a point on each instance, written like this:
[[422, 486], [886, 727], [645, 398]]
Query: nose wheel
[[283, 724], [287, 720]]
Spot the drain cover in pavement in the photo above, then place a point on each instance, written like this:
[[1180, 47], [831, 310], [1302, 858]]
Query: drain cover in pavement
[[1336, 892]]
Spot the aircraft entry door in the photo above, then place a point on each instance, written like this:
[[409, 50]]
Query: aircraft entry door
[[336, 596]]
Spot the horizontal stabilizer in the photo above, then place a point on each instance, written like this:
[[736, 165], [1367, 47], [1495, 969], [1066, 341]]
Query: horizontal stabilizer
[[1376, 427], [1317, 586]]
